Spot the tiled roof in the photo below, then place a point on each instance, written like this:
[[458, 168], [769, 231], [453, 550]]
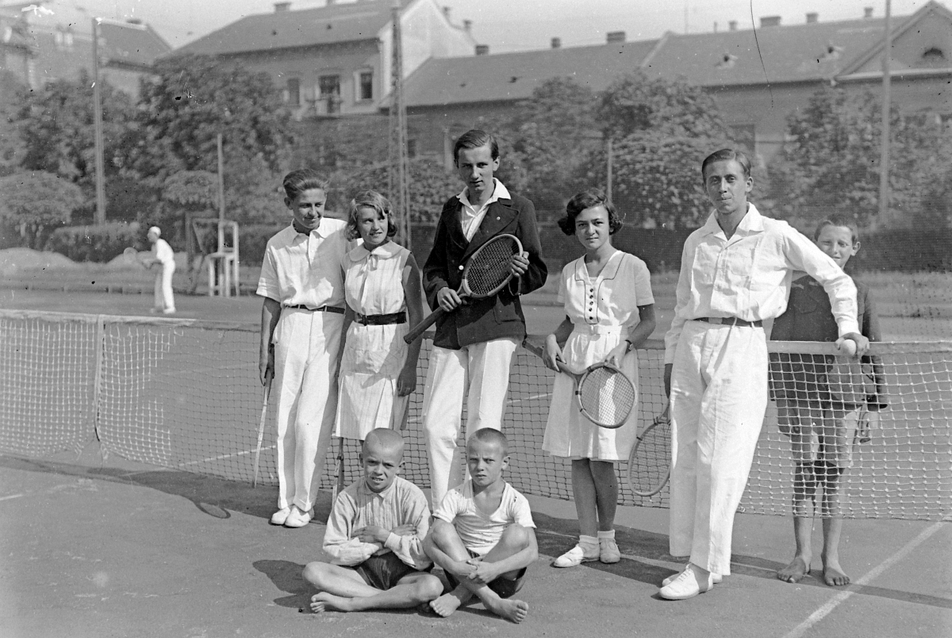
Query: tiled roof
[[514, 76], [288, 29], [137, 45], [796, 53]]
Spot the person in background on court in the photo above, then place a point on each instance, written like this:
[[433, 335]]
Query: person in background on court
[[736, 272], [483, 535], [301, 329], [609, 312], [375, 538], [820, 406], [383, 291], [476, 340], [164, 258]]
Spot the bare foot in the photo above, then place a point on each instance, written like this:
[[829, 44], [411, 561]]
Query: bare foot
[[446, 604], [328, 602], [513, 610], [833, 574], [795, 571]]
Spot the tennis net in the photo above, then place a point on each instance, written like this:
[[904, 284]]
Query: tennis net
[[184, 394]]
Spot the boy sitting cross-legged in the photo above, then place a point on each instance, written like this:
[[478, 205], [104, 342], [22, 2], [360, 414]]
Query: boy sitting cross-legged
[[483, 535], [375, 538]]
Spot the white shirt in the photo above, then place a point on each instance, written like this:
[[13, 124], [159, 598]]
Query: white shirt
[[403, 503], [470, 216], [479, 532], [163, 252], [748, 276], [307, 269]]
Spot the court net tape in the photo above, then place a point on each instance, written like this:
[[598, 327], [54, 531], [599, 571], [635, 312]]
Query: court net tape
[[184, 394]]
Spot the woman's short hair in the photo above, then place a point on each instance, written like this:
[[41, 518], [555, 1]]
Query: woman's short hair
[[302, 179], [375, 201], [588, 199], [726, 154], [475, 138]]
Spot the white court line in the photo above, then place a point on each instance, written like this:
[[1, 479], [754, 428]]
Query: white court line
[[224, 456], [7, 498], [843, 596]]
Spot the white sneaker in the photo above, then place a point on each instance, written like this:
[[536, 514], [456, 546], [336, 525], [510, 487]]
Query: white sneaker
[[608, 551], [685, 586], [575, 557], [279, 517], [298, 518], [716, 579]]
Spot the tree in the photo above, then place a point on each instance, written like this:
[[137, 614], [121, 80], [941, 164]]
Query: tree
[[660, 131], [56, 126], [12, 94], [549, 136], [182, 110], [831, 161], [37, 202]]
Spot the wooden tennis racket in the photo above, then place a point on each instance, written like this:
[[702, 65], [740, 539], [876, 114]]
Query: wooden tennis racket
[[649, 463], [339, 473], [486, 272], [133, 253], [261, 422], [605, 396]]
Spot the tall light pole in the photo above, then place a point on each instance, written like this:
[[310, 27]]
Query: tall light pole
[[97, 131], [399, 164], [884, 147]]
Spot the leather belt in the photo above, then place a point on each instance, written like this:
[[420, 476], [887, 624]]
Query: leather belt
[[381, 320], [332, 309], [731, 321]]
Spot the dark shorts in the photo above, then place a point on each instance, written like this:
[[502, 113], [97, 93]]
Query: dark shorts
[[384, 571], [504, 587]]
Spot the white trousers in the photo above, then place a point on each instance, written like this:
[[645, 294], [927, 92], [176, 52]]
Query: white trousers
[[481, 372], [718, 401], [163, 287], [305, 359]]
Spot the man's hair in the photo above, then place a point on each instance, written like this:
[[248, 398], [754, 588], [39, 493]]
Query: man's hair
[[727, 154], [383, 438], [489, 435], [588, 199], [302, 179], [372, 200], [475, 138], [841, 221]]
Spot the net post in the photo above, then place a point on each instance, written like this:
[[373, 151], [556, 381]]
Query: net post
[[100, 346]]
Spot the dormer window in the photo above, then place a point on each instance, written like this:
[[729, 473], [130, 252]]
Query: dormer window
[[727, 61], [934, 57], [832, 52]]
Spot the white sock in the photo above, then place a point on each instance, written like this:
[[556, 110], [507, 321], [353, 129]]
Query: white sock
[[588, 543], [610, 534]]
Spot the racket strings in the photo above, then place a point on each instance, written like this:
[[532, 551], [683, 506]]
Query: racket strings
[[490, 266], [606, 396], [648, 469]]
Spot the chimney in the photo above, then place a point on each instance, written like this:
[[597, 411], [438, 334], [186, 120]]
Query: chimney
[[468, 25], [769, 21], [615, 37], [732, 25], [281, 7], [556, 43], [867, 12], [812, 18], [482, 49]]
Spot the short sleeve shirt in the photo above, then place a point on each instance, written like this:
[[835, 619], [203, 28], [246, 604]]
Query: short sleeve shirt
[[610, 299], [479, 532], [306, 270]]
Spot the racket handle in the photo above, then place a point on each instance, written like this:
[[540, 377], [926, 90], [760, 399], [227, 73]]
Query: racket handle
[[417, 331]]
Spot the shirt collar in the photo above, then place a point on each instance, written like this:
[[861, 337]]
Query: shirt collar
[[499, 192], [752, 222], [387, 251], [363, 489], [320, 230]]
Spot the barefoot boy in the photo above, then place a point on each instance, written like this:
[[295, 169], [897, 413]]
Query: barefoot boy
[[818, 414], [375, 538], [483, 535]]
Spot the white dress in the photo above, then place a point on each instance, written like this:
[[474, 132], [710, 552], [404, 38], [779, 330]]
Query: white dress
[[373, 355], [603, 310]]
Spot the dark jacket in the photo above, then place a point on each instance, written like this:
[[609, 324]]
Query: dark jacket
[[494, 317]]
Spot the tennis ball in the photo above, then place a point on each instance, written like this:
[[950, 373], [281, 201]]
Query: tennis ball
[[848, 347]]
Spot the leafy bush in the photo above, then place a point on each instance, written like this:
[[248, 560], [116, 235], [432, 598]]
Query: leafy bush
[[94, 243]]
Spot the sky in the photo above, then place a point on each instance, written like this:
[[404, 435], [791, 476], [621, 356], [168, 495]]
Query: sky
[[509, 25]]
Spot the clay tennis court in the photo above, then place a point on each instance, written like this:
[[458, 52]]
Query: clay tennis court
[[112, 547]]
